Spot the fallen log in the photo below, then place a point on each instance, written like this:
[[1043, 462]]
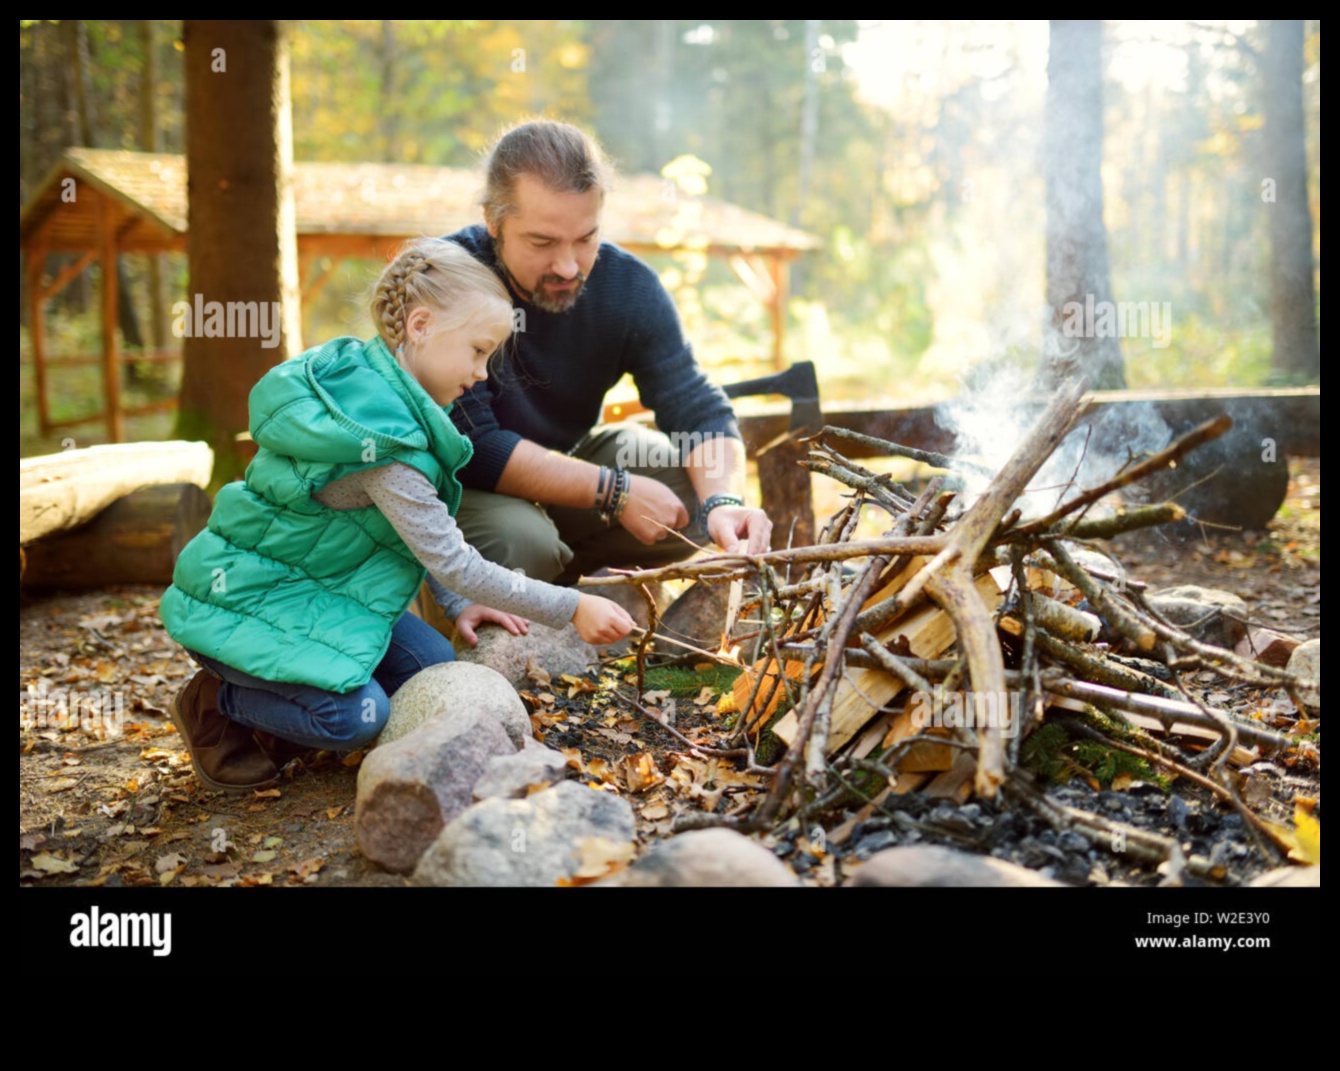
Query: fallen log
[[135, 540], [62, 491]]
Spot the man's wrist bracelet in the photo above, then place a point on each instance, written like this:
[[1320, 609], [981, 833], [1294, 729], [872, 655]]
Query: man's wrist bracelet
[[713, 501], [612, 493]]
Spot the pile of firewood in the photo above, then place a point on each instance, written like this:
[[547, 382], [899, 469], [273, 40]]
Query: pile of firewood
[[923, 660]]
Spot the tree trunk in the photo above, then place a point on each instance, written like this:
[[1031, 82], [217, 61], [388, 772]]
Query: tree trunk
[[1078, 335], [1297, 356], [241, 242], [149, 142]]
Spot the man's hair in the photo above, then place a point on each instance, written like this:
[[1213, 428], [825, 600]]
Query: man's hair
[[558, 154]]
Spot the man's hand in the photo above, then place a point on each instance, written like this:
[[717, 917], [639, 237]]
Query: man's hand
[[739, 530], [476, 613], [651, 504], [599, 620]]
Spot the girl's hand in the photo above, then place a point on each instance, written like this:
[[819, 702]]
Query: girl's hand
[[599, 621], [476, 613]]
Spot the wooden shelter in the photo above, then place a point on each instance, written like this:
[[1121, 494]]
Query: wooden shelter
[[96, 204]]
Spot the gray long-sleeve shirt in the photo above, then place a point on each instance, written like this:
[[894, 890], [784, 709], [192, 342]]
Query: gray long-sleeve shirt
[[457, 574]]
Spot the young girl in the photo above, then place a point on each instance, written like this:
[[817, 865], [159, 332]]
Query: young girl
[[294, 598]]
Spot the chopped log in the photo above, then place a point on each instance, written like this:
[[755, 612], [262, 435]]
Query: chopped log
[[65, 490], [135, 540], [1067, 622], [929, 632]]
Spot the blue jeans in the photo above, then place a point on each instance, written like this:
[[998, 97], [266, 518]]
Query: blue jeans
[[314, 717]]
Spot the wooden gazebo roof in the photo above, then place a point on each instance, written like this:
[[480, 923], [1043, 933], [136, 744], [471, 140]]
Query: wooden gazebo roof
[[391, 202]]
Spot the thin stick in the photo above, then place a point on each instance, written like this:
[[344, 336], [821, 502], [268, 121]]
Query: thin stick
[[926, 457], [734, 566]]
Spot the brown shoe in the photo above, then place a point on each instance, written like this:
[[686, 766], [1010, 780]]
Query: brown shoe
[[282, 751], [224, 753]]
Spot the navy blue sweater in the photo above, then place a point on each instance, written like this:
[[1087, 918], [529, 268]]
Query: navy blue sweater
[[553, 376]]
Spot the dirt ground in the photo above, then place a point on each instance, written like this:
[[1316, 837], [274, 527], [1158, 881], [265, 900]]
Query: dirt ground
[[107, 795]]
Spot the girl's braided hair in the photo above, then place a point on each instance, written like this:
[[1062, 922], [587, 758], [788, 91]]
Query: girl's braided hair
[[438, 274]]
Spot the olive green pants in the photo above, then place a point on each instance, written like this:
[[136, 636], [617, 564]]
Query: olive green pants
[[559, 544]]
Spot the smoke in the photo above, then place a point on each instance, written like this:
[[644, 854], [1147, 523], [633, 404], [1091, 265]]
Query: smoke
[[998, 407]]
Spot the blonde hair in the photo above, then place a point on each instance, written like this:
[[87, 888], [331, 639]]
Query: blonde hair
[[440, 275]]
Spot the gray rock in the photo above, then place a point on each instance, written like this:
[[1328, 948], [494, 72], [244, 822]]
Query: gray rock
[[699, 615], [1209, 614], [1289, 877], [456, 686], [408, 790], [705, 857], [532, 842], [1306, 662], [561, 651], [510, 776], [928, 866], [1267, 646]]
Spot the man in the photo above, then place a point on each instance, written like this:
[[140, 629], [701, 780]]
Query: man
[[587, 312]]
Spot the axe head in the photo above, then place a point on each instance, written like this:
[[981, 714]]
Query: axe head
[[798, 383]]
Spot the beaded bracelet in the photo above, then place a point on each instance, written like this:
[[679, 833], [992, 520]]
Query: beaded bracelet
[[612, 494], [712, 502]]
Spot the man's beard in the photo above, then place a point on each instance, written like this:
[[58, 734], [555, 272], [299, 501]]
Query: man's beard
[[559, 301]]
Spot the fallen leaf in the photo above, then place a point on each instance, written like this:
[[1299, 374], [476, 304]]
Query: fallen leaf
[[270, 793], [334, 812], [598, 857], [655, 698], [704, 697], [272, 842], [538, 674], [171, 861], [573, 755], [264, 857], [639, 773], [53, 864], [1122, 782], [63, 784], [655, 812], [1307, 838], [577, 685], [308, 868], [601, 770]]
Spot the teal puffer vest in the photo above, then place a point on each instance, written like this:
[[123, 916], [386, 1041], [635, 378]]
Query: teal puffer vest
[[282, 587]]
